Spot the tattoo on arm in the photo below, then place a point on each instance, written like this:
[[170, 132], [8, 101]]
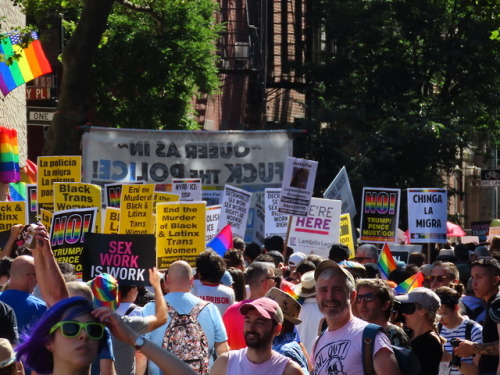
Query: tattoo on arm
[[490, 348]]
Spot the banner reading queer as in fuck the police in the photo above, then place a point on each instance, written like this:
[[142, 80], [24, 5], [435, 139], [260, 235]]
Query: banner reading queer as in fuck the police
[[218, 158]]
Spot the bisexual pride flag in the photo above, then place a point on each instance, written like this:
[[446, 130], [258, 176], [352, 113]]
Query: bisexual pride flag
[[223, 241], [386, 262], [31, 64]]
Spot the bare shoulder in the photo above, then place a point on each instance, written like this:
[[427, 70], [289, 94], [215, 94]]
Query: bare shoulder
[[292, 368], [220, 365]]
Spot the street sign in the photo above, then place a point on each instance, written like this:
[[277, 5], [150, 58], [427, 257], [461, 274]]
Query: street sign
[[40, 115], [33, 93], [490, 177]]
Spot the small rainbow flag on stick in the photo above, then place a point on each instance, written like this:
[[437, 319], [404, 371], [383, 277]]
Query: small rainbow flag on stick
[[31, 64], [386, 262], [410, 283], [223, 241]]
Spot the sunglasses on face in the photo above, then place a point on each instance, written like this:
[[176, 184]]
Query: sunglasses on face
[[439, 279], [407, 308], [70, 329], [368, 297]]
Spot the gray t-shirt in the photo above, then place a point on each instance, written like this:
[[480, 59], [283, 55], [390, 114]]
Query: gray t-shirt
[[124, 353]]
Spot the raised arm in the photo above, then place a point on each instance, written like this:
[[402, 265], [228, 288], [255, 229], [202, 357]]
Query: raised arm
[[49, 277], [7, 249], [160, 317]]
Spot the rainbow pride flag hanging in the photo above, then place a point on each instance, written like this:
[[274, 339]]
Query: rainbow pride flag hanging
[[386, 262], [223, 241], [9, 156], [410, 283], [31, 64]]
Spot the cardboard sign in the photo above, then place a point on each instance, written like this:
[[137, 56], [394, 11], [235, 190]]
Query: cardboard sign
[[380, 215], [189, 190], [67, 233], [111, 223], [32, 203], [136, 209], [53, 169], [180, 232], [126, 257], [427, 215], [234, 211], [212, 219], [113, 193], [315, 233], [46, 218], [12, 213], [161, 196], [212, 197], [71, 195], [298, 185], [480, 229], [346, 237], [340, 189], [276, 224]]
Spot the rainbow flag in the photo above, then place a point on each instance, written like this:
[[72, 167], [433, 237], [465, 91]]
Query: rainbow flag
[[285, 288], [18, 191], [31, 64], [9, 156], [223, 241], [410, 283], [386, 262]]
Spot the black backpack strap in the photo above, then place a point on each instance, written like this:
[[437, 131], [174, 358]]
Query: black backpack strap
[[439, 328], [468, 330], [369, 334], [131, 308]]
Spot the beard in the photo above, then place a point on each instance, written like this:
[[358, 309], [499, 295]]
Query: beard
[[333, 308], [254, 340]]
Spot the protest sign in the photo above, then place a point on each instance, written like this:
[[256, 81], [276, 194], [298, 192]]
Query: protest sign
[[180, 232], [346, 237], [240, 158], [480, 229], [32, 203], [340, 189], [298, 185], [234, 210], [67, 232], [111, 223], [276, 224], [12, 213], [212, 197], [70, 195], [212, 218], [258, 224], [161, 196], [427, 215], [55, 169], [126, 257], [189, 190], [113, 193], [380, 215], [4, 238], [46, 218], [315, 233], [136, 209]]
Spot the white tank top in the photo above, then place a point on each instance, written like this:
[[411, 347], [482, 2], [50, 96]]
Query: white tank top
[[238, 363]]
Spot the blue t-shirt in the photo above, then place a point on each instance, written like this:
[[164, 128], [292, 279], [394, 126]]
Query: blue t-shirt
[[209, 319], [27, 307]]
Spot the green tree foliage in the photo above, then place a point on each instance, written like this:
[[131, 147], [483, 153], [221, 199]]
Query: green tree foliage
[[402, 86], [130, 64]]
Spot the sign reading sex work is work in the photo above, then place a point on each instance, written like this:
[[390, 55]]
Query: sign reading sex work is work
[[217, 158], [316, 232], [127, 257], [380, 214], [67, 232], [55, 169], [180, 232], [298, 185], [427, 215]]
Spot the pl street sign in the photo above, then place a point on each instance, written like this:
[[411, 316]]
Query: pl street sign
[[40, 115], [490, 177]]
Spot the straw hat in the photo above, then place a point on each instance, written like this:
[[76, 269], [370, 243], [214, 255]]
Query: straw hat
[[7, 356], [289, 306], [307, 285]]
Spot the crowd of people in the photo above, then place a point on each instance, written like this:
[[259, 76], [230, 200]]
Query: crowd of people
[[254, 309]]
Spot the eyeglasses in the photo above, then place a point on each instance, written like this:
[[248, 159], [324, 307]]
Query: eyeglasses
[[368, 297], [439, 279], [275, 278], [71, 329]]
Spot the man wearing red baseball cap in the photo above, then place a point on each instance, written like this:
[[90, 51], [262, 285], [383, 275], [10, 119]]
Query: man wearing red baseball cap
[[263, 321]]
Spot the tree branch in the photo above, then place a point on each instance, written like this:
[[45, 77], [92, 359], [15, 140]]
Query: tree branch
[[141, 9]]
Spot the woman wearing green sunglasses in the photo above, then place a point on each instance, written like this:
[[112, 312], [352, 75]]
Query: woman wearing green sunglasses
[[65, 340]]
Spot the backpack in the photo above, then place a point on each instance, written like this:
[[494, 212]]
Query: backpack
[[408, 361], [185, 338], [468, 329]]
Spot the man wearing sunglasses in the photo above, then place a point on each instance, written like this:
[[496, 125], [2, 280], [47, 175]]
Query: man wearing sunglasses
[[366, 253], [374, 301], [443, 274], [338, 350]]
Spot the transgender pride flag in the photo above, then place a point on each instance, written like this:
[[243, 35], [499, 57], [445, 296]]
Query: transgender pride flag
[[223, 241]]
